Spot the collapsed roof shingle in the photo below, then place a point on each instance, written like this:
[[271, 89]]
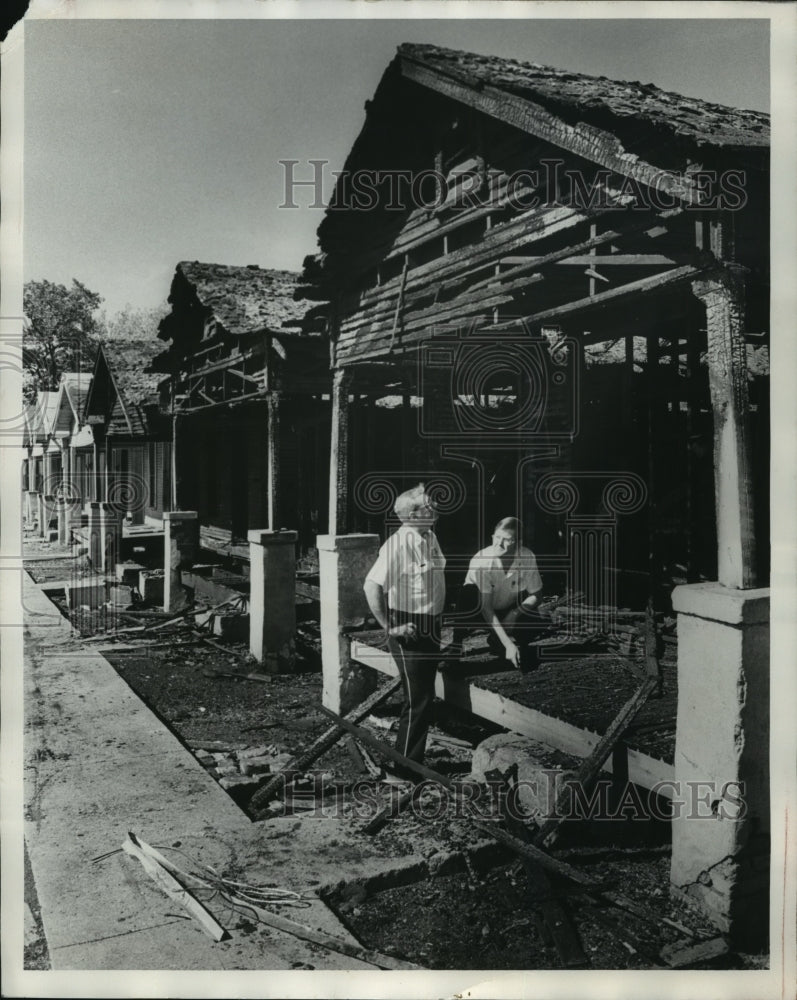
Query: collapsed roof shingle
[[244, 299]]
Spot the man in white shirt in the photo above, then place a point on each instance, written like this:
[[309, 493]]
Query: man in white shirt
[[507, 584], [405, 590]]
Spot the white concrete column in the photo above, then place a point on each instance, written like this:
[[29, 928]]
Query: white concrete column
[[344, 561], [105, 536], [31, 505], [272, 598], [720, 836], [180, 546], [41, 514], [63, 511]]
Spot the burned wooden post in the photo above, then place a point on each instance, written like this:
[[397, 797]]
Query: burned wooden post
[[273, 410], [339, 453], [722, 295]]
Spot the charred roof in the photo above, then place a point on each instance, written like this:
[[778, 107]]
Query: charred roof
[[242, 300], [599, 100]]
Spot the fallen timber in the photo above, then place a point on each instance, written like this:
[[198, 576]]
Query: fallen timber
[[522, 849], [325, 741], [591, 766], [466, 692], [551, 909], [169, 876]]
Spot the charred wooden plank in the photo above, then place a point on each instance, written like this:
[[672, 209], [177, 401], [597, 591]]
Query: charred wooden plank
[[591, 767], [563, 934], [324, 742]]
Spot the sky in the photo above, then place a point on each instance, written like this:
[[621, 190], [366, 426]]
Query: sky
[[151, 142]]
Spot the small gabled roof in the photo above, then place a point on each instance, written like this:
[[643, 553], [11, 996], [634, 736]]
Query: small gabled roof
[[72, 393], [121, 390], [43, 414]]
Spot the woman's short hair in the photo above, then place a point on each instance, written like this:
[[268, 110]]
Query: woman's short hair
[[508, 524]]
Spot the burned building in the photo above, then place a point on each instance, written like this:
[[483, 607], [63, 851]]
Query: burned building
[[499, 229], [249, 402]]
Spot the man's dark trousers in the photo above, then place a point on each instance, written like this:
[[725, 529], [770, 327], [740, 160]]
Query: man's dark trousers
[[417, 658]]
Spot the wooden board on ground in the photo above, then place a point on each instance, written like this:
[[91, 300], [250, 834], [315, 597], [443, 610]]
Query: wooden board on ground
[[325, 741], [591, 767]]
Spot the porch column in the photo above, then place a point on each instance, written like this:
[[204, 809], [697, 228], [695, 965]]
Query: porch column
[[274, 510], [344, 561], [34, 509], [720, 837], [339, 453], [720, 832], [722, 295], [272, 598], [64, 511], [180, 546], [43, 513], [105, 535]]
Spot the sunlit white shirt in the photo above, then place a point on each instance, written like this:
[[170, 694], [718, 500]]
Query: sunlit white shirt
[[409, 568], [504, 586]]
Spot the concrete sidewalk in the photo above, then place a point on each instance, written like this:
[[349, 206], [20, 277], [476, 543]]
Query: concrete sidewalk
[[98, 763]]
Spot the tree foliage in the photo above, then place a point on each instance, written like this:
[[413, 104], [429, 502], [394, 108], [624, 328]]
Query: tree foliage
[[60, 334], [132, 324]]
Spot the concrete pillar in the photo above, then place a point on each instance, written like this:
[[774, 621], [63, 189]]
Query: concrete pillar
[[31, 506], [272, 598], [180, 547], [41, 515], [344, 561], [720, 834], [105, 536], [63, 511]]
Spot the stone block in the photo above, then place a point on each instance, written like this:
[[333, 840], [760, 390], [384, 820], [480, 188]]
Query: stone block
[[128, 573], [541, 770], [150, 586], [120, 595], [237, 781], [88, 593], [256, 765]]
